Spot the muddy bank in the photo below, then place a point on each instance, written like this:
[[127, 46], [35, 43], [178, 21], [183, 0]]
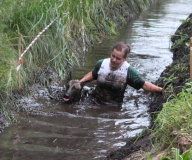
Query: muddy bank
[[177, 74], [49, 85]]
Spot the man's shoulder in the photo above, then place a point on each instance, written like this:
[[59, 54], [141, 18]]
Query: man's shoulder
[[132, 72], [131, 69], [100, 61], [97, 68]]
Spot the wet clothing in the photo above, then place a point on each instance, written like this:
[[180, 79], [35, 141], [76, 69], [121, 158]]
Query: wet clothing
[[111, 84]]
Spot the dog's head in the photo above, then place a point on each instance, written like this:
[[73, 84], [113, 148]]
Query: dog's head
[[73, 90]]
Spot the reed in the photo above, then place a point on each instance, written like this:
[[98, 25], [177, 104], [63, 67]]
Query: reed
[[61, 46]]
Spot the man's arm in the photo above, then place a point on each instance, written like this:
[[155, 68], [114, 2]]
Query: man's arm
[[151, 87], [92, 74], [87, 77]]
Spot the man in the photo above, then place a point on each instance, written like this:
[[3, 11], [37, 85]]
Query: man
[[114, 74]]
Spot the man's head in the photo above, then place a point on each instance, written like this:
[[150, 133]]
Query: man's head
[[119, 55], [125, 49]]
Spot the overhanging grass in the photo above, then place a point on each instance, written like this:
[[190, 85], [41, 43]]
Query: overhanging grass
[[61, 45], [176, 115]]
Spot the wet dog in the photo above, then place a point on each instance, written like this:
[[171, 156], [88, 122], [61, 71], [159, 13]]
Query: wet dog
[[73, 90]]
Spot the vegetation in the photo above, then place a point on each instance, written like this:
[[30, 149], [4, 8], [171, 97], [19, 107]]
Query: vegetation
[[175, 117], [172, 126], [61, 46]]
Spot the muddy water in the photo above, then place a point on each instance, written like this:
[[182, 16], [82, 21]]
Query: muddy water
[[60, 131]]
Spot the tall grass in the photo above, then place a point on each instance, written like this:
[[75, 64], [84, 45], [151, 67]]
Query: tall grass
[[176, 116], [52, 49], [8, 76], [60, 46]]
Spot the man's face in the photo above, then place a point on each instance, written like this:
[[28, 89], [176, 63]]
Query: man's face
[[117, 59]]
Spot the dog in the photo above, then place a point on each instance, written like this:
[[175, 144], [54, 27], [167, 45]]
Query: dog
[[73, 90]]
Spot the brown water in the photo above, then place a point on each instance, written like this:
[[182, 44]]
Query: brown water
[[84, 132]]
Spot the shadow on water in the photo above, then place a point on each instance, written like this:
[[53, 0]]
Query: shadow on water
[[55, 130]]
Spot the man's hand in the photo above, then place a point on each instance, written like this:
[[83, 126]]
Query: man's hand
[[151, 87], [165, 86]]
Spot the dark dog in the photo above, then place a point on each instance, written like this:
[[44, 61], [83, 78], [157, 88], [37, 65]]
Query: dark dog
[[73, 90]]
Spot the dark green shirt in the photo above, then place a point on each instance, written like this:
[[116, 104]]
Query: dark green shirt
[[133, 78], [111, 84]]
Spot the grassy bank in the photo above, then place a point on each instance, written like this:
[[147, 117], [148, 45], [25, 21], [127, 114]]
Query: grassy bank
[[172, 132], [61, 46]]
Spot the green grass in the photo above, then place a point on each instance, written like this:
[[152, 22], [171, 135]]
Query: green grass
[[176, 115], [60, 46]]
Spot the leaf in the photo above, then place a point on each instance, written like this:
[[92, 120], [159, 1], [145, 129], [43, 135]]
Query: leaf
[[148, 157], [187, 155], [190, 154], [176, 153], [165, 157], [188, 84]]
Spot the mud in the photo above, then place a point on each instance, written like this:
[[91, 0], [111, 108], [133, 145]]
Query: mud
[[48, 78], [178, 74], [3, 117], [2, 122]]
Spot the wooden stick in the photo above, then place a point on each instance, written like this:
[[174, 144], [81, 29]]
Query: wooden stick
[[19, 48]]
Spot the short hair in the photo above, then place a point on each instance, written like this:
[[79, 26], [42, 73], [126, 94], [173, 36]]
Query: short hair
[[120, 46]]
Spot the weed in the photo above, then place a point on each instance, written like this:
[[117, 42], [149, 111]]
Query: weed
[[169, 79], [183, 38], [186, 21], [176, 115]]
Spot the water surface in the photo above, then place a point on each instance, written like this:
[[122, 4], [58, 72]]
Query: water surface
[[89, 131]]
